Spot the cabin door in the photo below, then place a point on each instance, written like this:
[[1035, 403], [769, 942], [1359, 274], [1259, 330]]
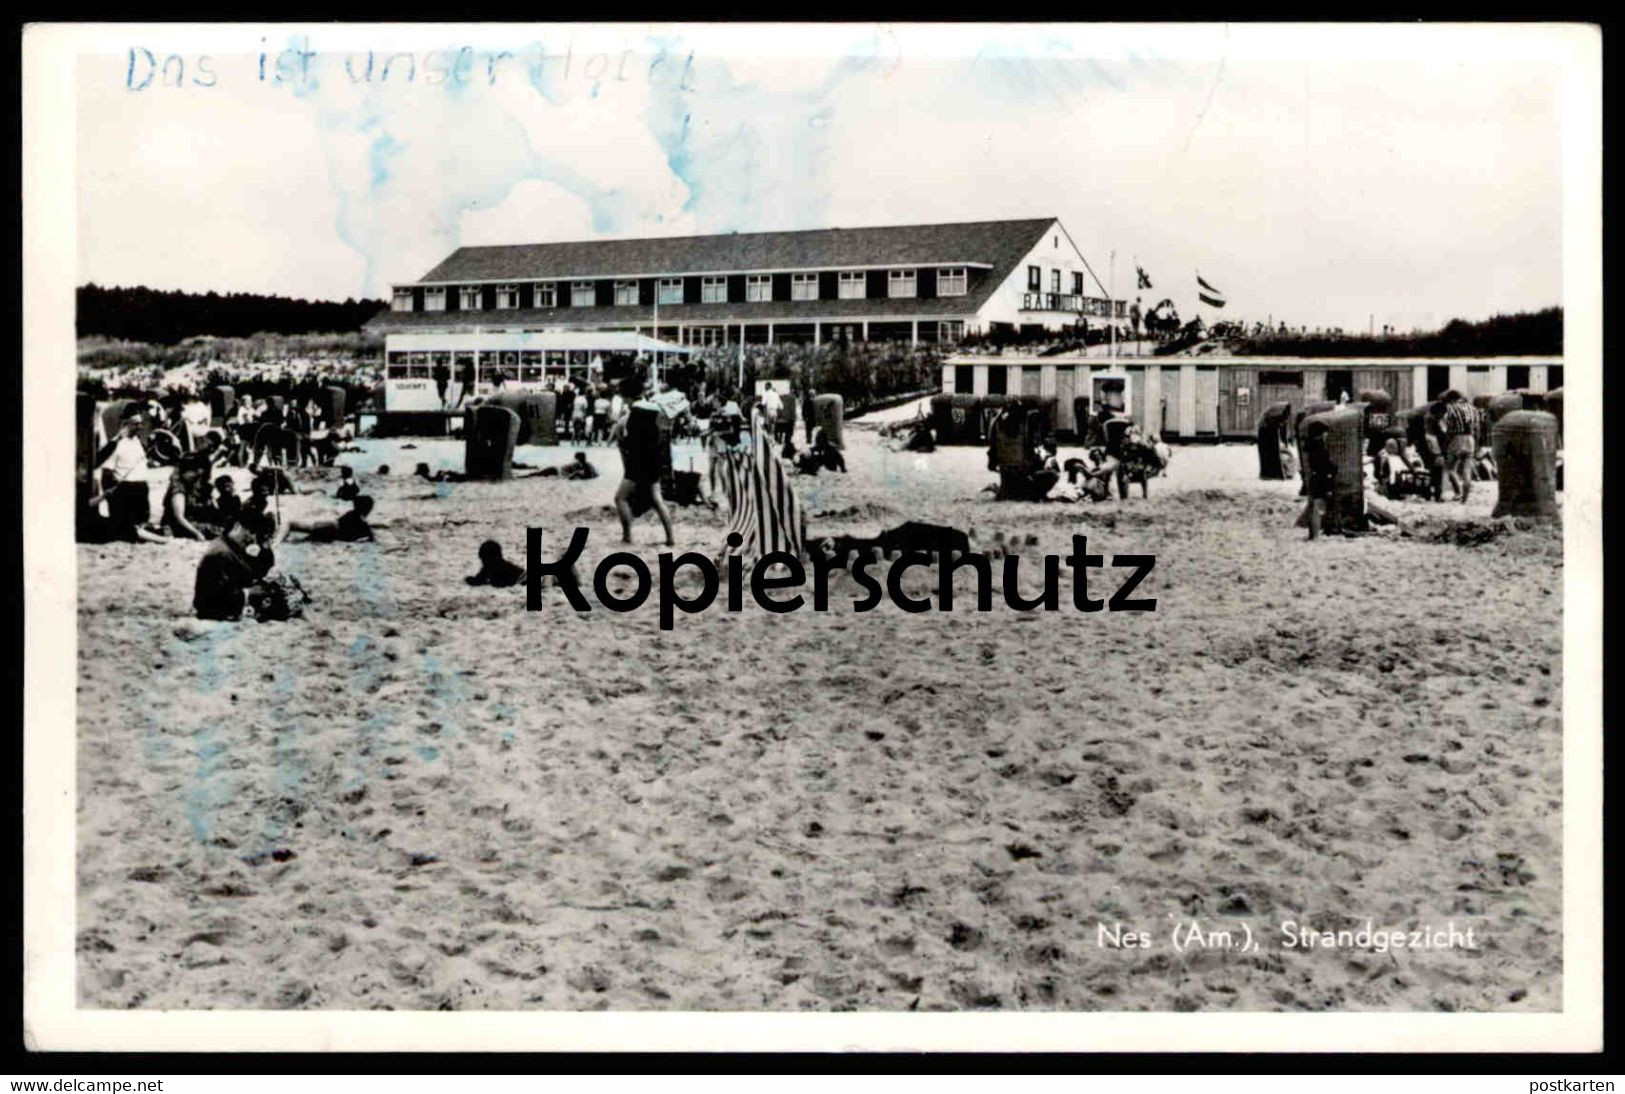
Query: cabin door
[[1207, 401], [1066, 386]]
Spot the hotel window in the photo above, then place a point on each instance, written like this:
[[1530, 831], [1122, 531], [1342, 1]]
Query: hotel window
[[671, 290], [758, 288], [507, 297], [851, 285], [804, 286], [900, 283], [713, 290], [951, 281], [626, 292], [434, 299], [951, 330], [583, 294], [1055, 281], [469, 297], [1035, 279], [402, 301], [546, 294], [1077, 284]]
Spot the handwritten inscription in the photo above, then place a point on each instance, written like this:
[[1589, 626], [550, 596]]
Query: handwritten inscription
[[304, 67]]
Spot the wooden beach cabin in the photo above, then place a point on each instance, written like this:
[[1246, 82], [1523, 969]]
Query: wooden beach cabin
[[1210, 398]]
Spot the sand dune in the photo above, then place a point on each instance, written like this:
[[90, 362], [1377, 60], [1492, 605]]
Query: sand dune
[[424, 796]]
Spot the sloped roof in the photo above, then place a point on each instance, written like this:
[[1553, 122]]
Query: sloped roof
[[776, 311], [998, 243]]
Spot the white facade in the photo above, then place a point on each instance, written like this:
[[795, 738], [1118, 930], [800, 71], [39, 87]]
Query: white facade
[[1055, 253]]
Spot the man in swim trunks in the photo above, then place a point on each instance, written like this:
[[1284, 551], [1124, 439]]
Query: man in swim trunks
[[640, 442]]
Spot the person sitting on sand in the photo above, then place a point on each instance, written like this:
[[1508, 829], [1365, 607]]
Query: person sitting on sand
[[227, 502], [495, 570], [233, 565], [186, 501], [352, 527], [119, 515], [579, 469], [348, 488], [1070, 487], [828, 455]]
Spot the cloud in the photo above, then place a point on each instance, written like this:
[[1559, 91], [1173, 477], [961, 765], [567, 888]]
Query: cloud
[[1317, 189]]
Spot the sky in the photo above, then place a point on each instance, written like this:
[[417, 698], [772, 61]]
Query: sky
[[1323, 176]]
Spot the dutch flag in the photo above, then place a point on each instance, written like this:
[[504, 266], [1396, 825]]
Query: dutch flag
[[1210, 296]]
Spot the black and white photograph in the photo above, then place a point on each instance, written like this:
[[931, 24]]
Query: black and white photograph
[[914, 536]]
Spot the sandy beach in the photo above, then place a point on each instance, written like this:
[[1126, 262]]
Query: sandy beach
[[423, 796]]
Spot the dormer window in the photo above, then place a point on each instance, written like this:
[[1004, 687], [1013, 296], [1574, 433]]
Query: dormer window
[[851, 285], [952, 281], [469, 297], [758, 288], [507, 297], [804, 286], [583, 294], [402, 300], [713, 290], [546, 294], [434, 299], [900, 284], [626, 292], [671, 290]]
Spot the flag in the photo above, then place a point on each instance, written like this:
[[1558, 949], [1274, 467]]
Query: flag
[[1210, 296], [1145, 279], [766, 513]]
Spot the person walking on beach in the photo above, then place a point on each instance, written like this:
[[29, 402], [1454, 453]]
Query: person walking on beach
[[465, 380], [1460, 424], [640, 442]]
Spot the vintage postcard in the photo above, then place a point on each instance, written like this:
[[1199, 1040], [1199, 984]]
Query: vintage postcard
[[952, 537]]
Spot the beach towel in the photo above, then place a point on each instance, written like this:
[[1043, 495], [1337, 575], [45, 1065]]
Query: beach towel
[[765, 511]]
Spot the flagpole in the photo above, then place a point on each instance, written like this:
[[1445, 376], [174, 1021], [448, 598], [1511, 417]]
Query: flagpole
[[1111, 307]]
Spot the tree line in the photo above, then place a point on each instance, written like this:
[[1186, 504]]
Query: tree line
[[140, 314], [1522, 334]]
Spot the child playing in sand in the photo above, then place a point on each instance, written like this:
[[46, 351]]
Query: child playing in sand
[[348, 488], [495, 570]]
